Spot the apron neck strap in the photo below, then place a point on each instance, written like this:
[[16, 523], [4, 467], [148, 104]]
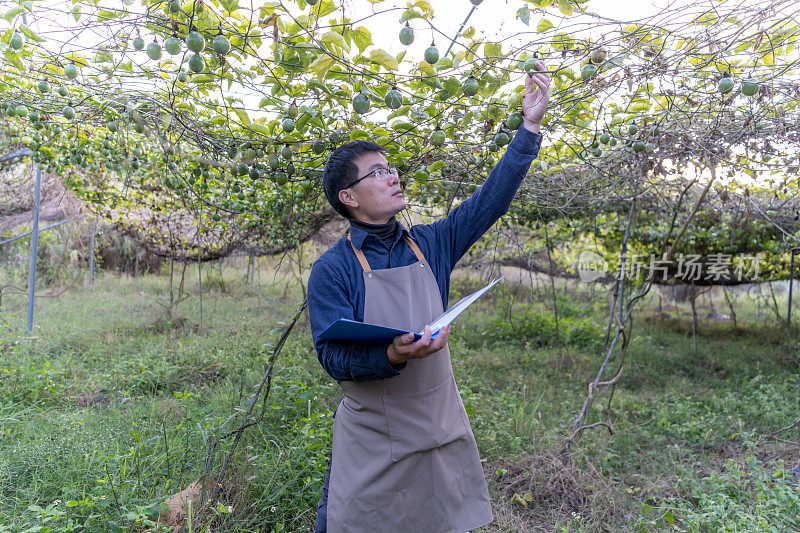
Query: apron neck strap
[[365, 264]]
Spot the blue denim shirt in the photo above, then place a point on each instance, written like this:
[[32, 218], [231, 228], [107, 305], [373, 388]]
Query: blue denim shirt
[[336, 288]]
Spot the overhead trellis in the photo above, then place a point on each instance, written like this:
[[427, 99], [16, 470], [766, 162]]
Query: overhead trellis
[[173, 116]]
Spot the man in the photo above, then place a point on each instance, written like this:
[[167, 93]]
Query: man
[[403, 456]]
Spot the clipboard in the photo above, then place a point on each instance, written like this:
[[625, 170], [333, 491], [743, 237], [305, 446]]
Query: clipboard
[[345, 329]]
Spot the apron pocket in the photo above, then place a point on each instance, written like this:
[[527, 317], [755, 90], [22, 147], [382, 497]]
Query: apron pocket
[[424, 420]]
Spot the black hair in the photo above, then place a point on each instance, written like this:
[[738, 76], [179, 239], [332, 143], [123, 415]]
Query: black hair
[[341, 171]]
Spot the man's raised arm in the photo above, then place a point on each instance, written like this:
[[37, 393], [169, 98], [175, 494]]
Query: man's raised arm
[[472, 218]]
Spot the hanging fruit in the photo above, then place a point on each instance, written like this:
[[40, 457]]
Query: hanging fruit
[[360, 104], [17, 41], [172, 45], [432, 54], [71, 71], [197, 64], [154, 51], [514, 121], [598, 56], [725, 84], [750, 87], [195, 42], [393, 99], [470, 86], [407, 35], [221, 45]]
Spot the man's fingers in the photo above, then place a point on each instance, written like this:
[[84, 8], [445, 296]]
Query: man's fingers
[[441, 338], [426, 336], [402, 342]]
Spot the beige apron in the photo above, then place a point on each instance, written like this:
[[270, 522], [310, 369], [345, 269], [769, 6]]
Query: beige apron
[[404, 458]]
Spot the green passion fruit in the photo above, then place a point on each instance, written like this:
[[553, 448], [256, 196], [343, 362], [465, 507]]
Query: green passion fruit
[[470, 86], [588, 72], [221, 45], [407, 35], [750, 87], [195, 42], [360, 104], [432, 54], [154, 51], [393, 99], [172, 45], [725, 85]]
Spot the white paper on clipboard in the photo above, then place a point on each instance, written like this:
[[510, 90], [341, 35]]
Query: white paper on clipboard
[[451, 314]]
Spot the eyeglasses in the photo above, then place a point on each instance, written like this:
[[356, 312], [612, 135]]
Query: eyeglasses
[[380, 173]]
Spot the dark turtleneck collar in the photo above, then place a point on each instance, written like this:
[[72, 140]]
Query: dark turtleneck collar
[[385, 232]]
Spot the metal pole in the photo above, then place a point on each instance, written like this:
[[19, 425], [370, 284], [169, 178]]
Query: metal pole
[[471, 11], [91, 255], [791, 283], [18, 237], [34, 247]]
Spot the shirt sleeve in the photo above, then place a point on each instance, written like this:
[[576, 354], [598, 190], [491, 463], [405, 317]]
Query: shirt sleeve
[[329, 298], [468, 221]]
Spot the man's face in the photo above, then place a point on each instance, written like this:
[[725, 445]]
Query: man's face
[[378, 199]]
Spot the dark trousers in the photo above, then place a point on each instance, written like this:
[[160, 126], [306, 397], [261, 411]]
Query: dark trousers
[[322, 506]]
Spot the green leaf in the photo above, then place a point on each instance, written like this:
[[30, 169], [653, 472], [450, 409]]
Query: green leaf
[[260, 129], [411, 14], [403, 126], [13, 12], [12, 58], [325, 7], [426, 67], [333, 38], [565, 7], [493, 51], [103, 56], [383, 58], [29, 34], [202, 78], [107, 14], [452, 86], [524, 14], [436, 165], [363, 38], [544, 25], [76, 12], [321, 65]]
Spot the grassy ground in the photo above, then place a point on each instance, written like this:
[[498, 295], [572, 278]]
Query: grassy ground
[[110, 406]]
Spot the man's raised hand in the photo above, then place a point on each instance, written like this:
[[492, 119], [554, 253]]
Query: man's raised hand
[[534, 104]]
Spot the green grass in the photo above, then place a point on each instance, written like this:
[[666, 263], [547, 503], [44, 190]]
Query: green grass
[[109, 408]]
